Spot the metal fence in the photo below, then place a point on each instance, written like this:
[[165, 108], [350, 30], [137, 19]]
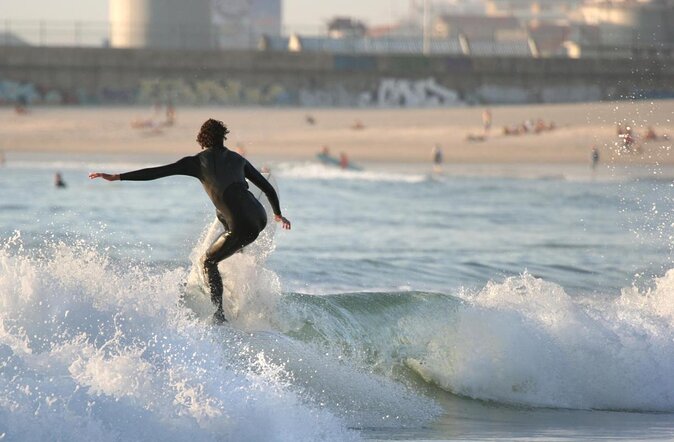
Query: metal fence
[[54, 33], [309, 39], [98, 34]]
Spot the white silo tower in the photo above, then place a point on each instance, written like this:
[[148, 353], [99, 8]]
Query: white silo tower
[[178, 24]]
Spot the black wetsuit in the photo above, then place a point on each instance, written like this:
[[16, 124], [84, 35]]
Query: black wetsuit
[[223, 174]]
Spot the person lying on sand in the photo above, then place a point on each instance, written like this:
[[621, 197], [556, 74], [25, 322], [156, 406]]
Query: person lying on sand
[[651, 135]]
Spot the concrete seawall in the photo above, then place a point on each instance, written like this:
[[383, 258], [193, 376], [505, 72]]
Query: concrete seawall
[[103, 75]]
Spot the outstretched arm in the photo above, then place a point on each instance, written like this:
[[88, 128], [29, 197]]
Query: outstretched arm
[[186, 166], [260, 181], [105, 176]]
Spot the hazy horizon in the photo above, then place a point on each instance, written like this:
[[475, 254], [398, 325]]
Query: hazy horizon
[[296, 13]]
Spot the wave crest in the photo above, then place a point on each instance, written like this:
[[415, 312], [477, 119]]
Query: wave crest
[[525, 341], [95, 350]]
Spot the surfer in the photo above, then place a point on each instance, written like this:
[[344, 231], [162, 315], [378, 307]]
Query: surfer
[[223, 174]]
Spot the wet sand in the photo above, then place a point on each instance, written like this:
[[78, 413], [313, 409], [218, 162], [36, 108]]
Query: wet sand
[[388, 135]]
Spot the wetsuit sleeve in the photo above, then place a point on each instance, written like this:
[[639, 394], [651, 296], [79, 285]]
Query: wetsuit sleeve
[[187, 166], [256, 178]]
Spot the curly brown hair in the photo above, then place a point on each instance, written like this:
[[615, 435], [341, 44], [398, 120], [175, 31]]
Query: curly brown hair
[[212, 133]]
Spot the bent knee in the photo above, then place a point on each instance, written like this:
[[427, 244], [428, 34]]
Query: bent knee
[[249, 236]]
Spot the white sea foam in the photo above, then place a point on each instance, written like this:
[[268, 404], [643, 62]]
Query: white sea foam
[[525, 341], [91, 350], [253, 301], [317, 171], [94, 349]]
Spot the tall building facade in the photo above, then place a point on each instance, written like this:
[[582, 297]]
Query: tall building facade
[[161, 24], [193, 24], [533, 9], [632, 22], [241, 23]]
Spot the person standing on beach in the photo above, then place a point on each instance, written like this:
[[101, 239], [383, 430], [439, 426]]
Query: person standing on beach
[[223, 174], [170, 114], [595, 157], [21, 105], [486, 120], [437, 156]]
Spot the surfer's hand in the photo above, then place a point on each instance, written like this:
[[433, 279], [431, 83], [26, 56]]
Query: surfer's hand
[[105, 176], [283, 220]]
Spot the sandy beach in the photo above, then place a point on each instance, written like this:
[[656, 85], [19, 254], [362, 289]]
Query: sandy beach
[[390, 135]]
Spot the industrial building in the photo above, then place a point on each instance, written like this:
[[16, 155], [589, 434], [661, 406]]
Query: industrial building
[[533, 9], [538, 28], [160, 24], [194, 24], [241, 23], [632, 22]]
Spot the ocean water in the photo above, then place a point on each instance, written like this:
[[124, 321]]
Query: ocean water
[[485, 302]]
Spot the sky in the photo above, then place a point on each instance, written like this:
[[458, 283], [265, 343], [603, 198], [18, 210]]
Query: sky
[[297, 14]]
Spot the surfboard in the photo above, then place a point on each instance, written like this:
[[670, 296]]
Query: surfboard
[[334, 161]]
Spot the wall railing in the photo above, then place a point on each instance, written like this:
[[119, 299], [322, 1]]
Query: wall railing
[[42, 33]]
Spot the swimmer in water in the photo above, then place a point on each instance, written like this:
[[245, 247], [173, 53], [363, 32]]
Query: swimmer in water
[[223, 174], [58, 181]]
